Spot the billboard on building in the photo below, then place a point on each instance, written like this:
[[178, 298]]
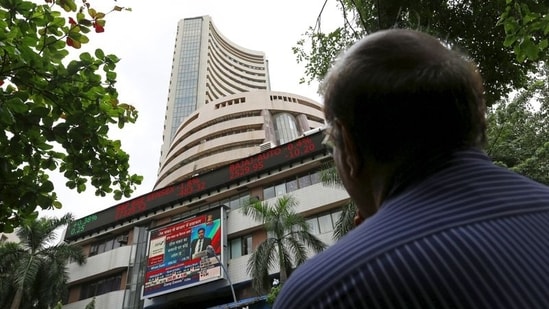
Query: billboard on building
[[184, 254]]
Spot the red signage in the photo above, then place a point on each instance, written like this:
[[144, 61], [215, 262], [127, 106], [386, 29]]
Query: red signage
[[273, 158]]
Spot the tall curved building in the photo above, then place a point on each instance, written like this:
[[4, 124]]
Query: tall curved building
[[207, 67], [235, 127], [227, 138]]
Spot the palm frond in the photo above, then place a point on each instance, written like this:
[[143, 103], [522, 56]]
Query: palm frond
[[311, 241], [287, 242], [261, 261], [345, 222], [34, 266], [256, 209], [329, 175], [297, 249]]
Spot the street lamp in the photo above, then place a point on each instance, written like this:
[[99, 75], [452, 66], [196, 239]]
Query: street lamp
[[211, 252]]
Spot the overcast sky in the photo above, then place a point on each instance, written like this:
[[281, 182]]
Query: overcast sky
[[144, 40]]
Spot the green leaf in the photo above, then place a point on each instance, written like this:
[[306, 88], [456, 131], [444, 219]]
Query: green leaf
[[46, 101], [40, 111], [16, 105], [530, 17], [543, 44], [86, 57], [84, 39], [99, 54], [47, 186], [6, 117], [92, 12], [111, 76], [530, 49]]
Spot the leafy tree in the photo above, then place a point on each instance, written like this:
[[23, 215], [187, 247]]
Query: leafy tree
[[518, 131], [526, 30], [288, 237], [55, 110], [33, 270], [472, 25], [271, 297], [508, 40]]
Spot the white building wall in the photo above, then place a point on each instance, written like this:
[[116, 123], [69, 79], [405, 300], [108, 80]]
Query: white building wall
[[308, 198], [106, 301], [219, 116], [98, 264], [237, 269]]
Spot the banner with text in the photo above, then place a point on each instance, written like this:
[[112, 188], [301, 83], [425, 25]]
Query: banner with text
[[184, 254]]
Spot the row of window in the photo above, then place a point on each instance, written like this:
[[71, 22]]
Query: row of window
[[324, 222], [108, 244], [230, 102], [238, 75], [319, 224], [291, 184], [187, 77], [100, 286], [216, 41]]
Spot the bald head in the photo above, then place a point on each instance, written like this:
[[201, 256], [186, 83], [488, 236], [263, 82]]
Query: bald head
[[402, 93]]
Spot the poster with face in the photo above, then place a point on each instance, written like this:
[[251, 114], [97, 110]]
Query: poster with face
[[184, 254]]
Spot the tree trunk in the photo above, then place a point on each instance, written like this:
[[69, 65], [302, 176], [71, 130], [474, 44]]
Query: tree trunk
[[283, 274], [16, 302]]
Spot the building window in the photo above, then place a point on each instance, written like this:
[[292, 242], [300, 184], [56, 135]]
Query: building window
[[292, 184], [240, 246], [280, 189], [238, 201], [304, 181], [313, 225], [324, 222], [100, 286], [285, 127], [108, 244], [269, 192], [235, 201]]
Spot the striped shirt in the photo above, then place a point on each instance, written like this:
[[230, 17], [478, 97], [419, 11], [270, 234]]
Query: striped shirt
[[472, 235]]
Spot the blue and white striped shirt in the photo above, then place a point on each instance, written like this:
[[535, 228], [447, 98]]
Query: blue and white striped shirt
[[472, 235]]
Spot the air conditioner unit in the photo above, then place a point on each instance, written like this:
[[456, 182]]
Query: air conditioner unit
[[122, 239], [312, 131], [265, 146]]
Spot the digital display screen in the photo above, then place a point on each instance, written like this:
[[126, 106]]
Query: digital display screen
[[223, 176], [184, 254]]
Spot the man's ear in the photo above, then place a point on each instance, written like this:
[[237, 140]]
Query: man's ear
[[350, 150]]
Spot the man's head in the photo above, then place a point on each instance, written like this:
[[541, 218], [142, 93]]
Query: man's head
[[201, 232], [401, 96]]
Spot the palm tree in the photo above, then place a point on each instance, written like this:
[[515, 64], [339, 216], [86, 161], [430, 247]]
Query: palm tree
[[288, 236], [346, 221], [34, 270]]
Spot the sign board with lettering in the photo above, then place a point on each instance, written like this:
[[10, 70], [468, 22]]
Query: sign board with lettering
[[262, 162], [178, 255]]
